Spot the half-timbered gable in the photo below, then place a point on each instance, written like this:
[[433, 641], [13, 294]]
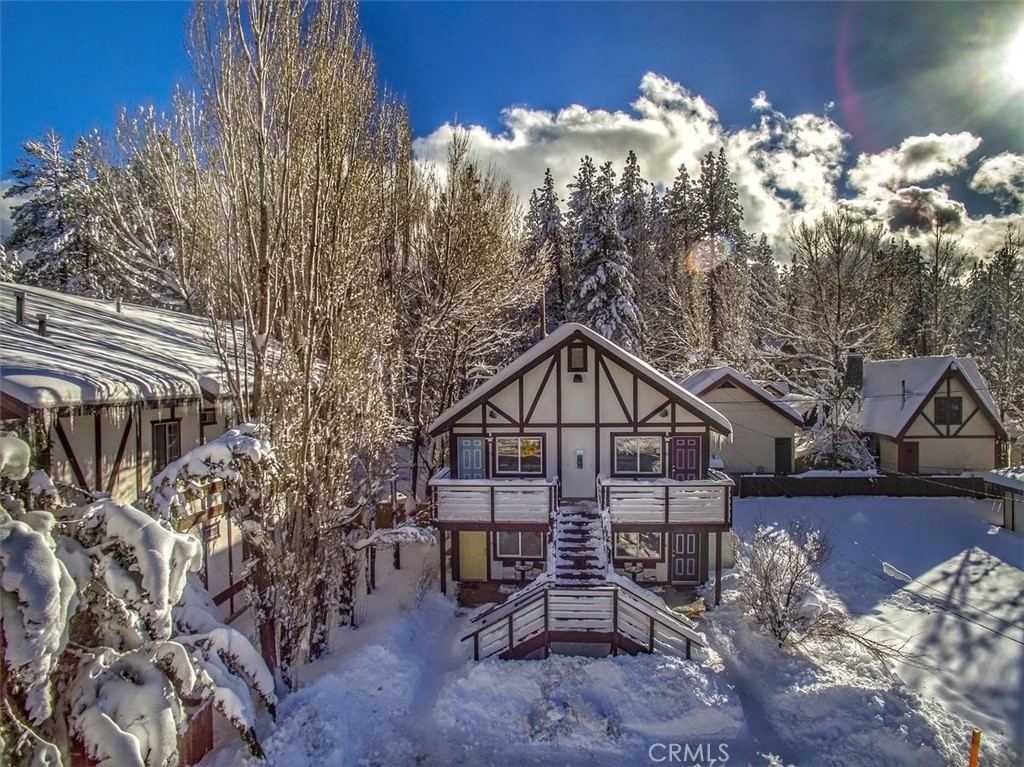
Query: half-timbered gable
[[930, 415], [577, 423]]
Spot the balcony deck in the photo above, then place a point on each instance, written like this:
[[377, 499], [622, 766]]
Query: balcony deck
[[668, 502], [493, 500]]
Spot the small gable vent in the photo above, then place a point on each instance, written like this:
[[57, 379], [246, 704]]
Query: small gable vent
[[577, 358], [727, 385]]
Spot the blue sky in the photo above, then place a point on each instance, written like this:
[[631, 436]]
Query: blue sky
[[843, 84]]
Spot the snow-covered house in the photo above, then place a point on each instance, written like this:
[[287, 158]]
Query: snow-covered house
[[574, 424], [764, 428], [929, 415], [110, 394], [1008, 483]]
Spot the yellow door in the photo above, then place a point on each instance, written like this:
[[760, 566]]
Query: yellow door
[[472, 555]]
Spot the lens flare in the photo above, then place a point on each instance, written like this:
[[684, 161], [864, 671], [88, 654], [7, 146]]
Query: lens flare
[[1015, 58], [708, 254]]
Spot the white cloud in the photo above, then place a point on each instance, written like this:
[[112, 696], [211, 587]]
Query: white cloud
[[760, 102], [1002, 177], [781, 165], [917, 158]]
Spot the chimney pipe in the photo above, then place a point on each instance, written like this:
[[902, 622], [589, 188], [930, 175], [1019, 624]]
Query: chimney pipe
[[903, 393], [19, 307], [117, 305], [853, 375], [43, 319]]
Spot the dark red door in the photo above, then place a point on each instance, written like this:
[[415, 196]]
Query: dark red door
[[687, 454], [908, 463]]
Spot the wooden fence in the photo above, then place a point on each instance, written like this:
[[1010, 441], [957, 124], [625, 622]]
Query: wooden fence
[[901, 486]]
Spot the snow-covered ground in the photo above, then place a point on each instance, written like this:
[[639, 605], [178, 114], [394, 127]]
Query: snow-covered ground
[[401, 689]]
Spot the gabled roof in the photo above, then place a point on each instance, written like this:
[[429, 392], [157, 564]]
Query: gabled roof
[[560, 337], [709, 379], [884, 410], [93, 354]]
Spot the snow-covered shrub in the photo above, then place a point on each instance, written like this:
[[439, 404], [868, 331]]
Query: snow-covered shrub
[[778, 569], [98, 603], [830, 444]]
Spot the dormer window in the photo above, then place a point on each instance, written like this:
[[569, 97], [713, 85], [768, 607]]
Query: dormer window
[[577, 358]]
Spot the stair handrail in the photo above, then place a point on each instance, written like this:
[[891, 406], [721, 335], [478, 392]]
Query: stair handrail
[[666, 619], [537, 585]]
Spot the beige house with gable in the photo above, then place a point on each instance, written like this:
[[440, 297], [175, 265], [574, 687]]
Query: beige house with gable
[[930, 415], [764, 428]]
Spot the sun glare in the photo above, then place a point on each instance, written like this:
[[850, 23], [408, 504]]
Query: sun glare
[[1015, 57]]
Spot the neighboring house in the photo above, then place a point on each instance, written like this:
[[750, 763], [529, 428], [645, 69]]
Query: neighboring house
[[573, 427], [1008, 483], [929, 415], [764, 429], [111, 394]]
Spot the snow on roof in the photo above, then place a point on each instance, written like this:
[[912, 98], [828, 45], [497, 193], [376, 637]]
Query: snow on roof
[[703, 381], [1011, 477], [561, 334], [884, 410], [93, 354]]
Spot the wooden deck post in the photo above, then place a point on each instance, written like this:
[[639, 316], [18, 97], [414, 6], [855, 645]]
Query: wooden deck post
[[687, 648], [650, 639], [547, 629], [718, 568], [476, 646], [444, 576], [615, 622]]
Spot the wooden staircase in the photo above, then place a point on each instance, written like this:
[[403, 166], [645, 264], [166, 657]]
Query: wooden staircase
[[616, 613], [579, 547]]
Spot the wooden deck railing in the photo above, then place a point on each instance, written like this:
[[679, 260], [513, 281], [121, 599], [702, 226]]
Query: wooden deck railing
[[664, 501], [615, 614], [493, 500]]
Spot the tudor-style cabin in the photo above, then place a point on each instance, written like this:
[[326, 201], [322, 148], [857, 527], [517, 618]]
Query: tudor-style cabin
[[575, 427], [929, 415]]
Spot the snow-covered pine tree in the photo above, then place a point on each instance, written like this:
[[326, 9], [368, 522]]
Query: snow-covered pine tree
[[764, 291], [546, 240], [634, 216], [604, 296], [50, 227], [10, 265]]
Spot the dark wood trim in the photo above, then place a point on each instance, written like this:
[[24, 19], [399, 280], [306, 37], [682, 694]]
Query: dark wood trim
[[456, 556], [676, 527], [540, 389], [522, 405], [558, 418], [470, 526], [520, 475], [998, 427], [597, 411], [503, 559], [511, 421], [649, 416], [965, 421], [636, 403], [951, 436], [568, 358], [228, 593], [65, 444], [98, 426], [138, 451], [615, 391], [474, 427], [116, 471], [614, 473], [931, 423]]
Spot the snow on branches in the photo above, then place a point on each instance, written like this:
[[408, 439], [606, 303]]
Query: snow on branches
[[98, 601]]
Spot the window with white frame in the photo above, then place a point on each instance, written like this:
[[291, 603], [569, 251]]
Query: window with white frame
[[166, 443], [638, 545], [520, 545], [638, 454], [519, 455]]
